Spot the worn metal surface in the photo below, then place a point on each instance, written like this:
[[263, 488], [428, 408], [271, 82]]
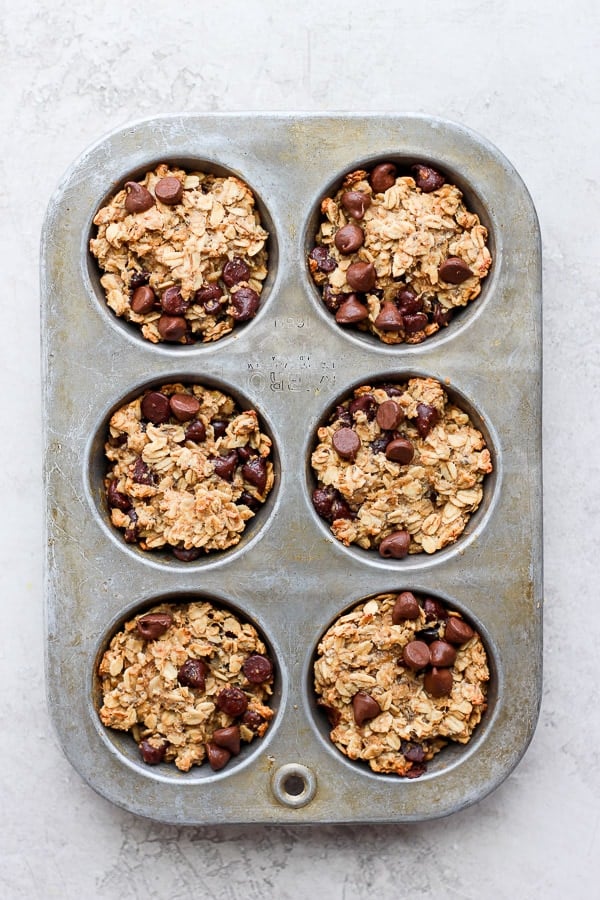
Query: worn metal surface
[[288, 575]]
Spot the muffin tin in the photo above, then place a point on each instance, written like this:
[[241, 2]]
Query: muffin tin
[[288, 575]]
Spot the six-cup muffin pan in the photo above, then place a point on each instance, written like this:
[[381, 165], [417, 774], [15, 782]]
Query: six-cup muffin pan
[[292, 363]]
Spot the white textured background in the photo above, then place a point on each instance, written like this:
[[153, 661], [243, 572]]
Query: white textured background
[[523, 73]]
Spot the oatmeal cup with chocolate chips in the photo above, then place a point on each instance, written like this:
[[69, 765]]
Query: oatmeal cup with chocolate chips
[[182, 254], [400, 676], [191, 682], [187, 470], [400, 469], [397, 254]]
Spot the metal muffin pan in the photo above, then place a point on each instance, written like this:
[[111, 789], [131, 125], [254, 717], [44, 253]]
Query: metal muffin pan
[[288, 575]]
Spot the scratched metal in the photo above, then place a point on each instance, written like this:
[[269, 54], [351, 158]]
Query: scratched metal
[[288, 575]]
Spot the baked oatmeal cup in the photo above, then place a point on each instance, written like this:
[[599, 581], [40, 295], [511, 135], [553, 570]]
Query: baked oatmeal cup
[[398, 254], [187, 470], [399, 677], [399, 468], [183, 255], [190, 681]]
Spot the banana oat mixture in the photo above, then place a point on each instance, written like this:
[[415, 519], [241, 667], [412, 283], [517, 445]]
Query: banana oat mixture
[[187, 470], [399, 468], [397, 255], [191, 682], [183, 254], [399, 677]]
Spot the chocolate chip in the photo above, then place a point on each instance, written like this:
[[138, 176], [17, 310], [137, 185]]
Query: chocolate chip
[[322, 498], [117, 499], [219, 427], [416, 655], [196, 432], [414, 322], [246, 499], [408, 301], [457, 631], [210, 297], [405, 607], [187, 555], [395, 545], [355, 203], [255, 471], [218, 757], [412, 752], [245, 453], [389, 415], [364, 707], [365, 403], [389, 318], [434, 610], [235, 270], [361, 276], [349, 238], [141, 473], [131, 535], [232, 701], [138, 279], [257, 669], [415, 771], [442, 653], [427, 179], [325, 263], [171, 328], [427, 417], [340, 509], [428, 634], [155, 407], [153, 625], [184, 406], [380, 443], [346, 443], [172, 302], [228, 738], [143, 300], [244, 303], [332, 300], [138, 198], [193, 674], [224, 466], [438, 682], [169, 190], [252, 720], [383, 177], [441, 316], [351, 311], [343, 416], [152, 755], [454, 270], [400, 450]]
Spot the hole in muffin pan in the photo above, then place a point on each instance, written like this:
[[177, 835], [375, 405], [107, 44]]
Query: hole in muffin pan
[[91, 272], [453, 754], [294, 785], [474, 202], [96, 467], [477, 521], [123, 744]]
